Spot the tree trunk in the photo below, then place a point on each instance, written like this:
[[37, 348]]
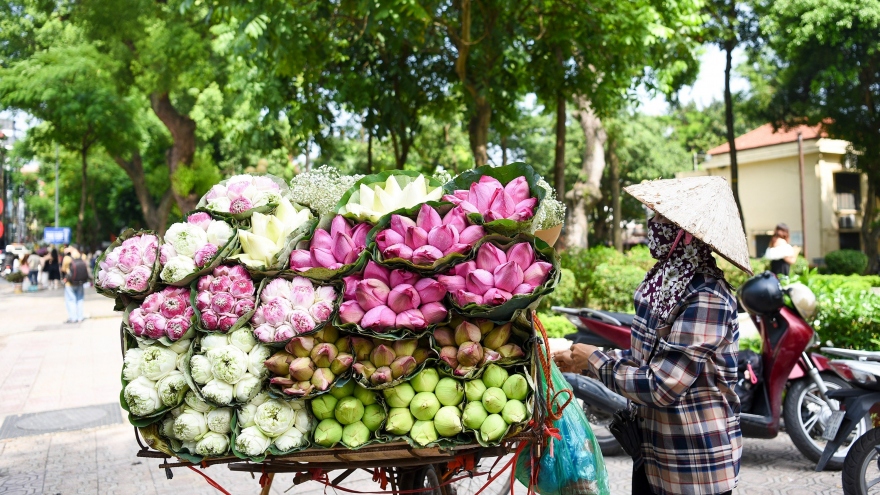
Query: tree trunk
[[616, 238], [731, 136], [586, 191], [559, 163], [870, 235], [155, 215], [503, 150], [370, 152], [81, 217], [478, 131], [183, 148]]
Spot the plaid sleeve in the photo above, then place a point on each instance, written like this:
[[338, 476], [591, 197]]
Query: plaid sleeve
[[699, 329]]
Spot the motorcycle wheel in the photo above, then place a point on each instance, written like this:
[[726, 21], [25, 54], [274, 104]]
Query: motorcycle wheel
[[599, 421], [806, 414], [861, 472]]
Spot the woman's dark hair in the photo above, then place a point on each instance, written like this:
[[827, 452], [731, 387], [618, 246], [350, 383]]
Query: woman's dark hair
[[781, 232], [54, 255]]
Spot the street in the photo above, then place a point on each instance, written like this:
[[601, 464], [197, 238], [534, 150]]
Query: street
[[46, 365]]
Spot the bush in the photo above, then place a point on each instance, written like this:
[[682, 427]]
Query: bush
[[846, 262], [557, 326], [613, 286], [15, 277], [565, 294]]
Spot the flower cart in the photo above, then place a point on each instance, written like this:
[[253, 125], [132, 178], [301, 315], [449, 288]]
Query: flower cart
[[337, 323]]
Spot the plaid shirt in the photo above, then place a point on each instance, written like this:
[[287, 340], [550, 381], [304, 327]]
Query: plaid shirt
[[681, 374]]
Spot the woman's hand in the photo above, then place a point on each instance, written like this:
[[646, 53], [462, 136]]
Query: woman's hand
[[576, 359]]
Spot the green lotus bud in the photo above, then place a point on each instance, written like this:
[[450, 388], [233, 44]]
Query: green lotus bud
[[403, 366], [355, 435], [511, 351], [516, 387], [349, 410], [400, 421], [300, 346], [494, 376], [423, 432], [469, 354], [362, 348], [467, 332], [327, 334], [381, 375], [424, 406], [342, 363], [426, 380], [301, 369], [343, 344], [449, 392], [494, 400], [405, 347], [498, 337], [421, 355], [399, 396], [474, 390], [340, 391], [329, 432], [322, 379], [382, 355], [514, 412], [323, 406], [447, 422], [374, 414], [485, 326], [474, 415], [445, 337], [324, 354], [367, 397], [279, 362], [493, 428]]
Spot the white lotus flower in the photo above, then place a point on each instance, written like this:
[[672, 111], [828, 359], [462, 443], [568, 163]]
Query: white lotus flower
[[177, 268], [186, 238], [218, 391], [200, 369], [274, 417], [229, 364], [291, 439], [212, 445], [303, 421], [180, 346], [171, 388], [219, 233], [243, 338], [157, 361], [190, 426], [269, 233], [246, 415], [193, 402], [246, 388], [167, 428], [220, 420], [181, 362], [220, 204], [213, 341], [142, 397], [131, 364], [256, 357], [252, 442], [379, 199]]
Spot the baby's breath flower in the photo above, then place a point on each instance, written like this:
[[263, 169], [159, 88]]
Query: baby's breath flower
[[321, 188], [551, 212]]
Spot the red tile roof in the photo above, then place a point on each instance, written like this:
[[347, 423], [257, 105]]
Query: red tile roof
[[764, 136]]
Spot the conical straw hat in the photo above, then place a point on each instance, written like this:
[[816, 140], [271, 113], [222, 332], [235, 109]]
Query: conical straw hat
[[702, 206]]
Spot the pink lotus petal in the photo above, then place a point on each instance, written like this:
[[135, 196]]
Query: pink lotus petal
[[502, 207], [463, 298], [428, 218], [522, 254], [203, 300], [265, 333], [324, 258], [523, 289], [374, 270], [300, 259], [483, 193], [359, 236], [400, 276], [371, 293], [201, 219], [403, 297], [378, 318], [242, 307], [464, 268], [401, 251], [350, 312], [339, 225], [430, 290], [443, 237], [412, 319], [284, 333], [226, 322], [479, 281], [220, 284], [343, 249], [426, 255], [210, 320], [495, 296], [489, 257], [222, 302], [434, 312], [508, 276], [400, 224], [321, 240], [350, 286], [416, 237], [537, 273], [457, 248], [388, 237], [518, 189], [456, 218], [452, 283]]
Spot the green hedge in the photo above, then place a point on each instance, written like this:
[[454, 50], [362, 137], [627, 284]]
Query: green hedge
[[846, 262]]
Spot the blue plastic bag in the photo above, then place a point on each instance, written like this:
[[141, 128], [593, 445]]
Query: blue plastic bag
[[573, 463]]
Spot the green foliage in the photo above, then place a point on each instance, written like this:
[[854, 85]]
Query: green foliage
[[846, 262], [557, 326], [565, 293], [197, 178], [605, 279], [15, 277], [753, 343]]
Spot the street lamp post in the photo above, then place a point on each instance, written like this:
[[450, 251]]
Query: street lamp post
[[56, 184]]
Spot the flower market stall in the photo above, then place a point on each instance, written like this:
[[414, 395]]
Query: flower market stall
[[339, 322]]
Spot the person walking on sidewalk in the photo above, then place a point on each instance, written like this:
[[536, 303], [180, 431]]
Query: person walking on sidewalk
[[52, 266], [76, 274], [33, 262]]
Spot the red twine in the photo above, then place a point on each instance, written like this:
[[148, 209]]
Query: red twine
[[210, 481]]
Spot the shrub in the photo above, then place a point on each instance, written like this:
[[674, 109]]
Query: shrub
[[565, 294], [613, 286], [15, 277], [846, 262], [557, 326]]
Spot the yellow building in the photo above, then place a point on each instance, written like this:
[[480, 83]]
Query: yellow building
[[769, 188]]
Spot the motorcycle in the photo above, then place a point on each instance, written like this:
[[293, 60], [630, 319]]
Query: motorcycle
[[784, 368], [861, 468]]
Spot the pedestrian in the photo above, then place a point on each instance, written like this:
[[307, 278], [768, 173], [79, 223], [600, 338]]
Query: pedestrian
[[780, 253], [34, 264], [52, 265], [24, 267], [76, 275], [680, 370]]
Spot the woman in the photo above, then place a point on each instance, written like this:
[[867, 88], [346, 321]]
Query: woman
[[53, 268], [780, 253], [680, 371]]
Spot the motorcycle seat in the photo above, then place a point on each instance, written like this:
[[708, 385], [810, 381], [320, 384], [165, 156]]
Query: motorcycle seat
[[624, 318]]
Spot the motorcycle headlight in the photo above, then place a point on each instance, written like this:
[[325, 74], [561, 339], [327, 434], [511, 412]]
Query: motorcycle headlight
[[863, 374]]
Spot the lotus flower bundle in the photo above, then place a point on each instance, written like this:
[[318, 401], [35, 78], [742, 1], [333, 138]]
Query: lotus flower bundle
[[475, 344], [228, 368], [381, 300], [129, 266], [425, 408], [292, 307], [381, 361], [349, 414], [429, 237], [495, 201], [198, 428], [242, 193], [163, 314], [496, 401], [372, 201], [224, 297], [332, 250], [192, 245], [496, 276], [278, 424], [153, 377], [310, 364], [270, 235]]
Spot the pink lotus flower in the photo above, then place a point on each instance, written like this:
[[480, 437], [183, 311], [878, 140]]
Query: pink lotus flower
[[129, 257], [430, 290], [139, 278], [137, 321], [456, 218], [321, 311], [426, 255], [494, 201], [343, 250], [399, 277], [226, 322], [387, 238], [204, 283], [300, 321], [210, 320], [275, 289], [508, 276], [433, 312], [452, 283], [377, 272], [236, 189], [265, 333], [284, 333], [242, 288], [110, 280], [400, 250], [495, 296], [416, 237], [177, 327], [443, 237], [166, 253], [359, 235], [464, 268], [275, 311], [489, 257], [411, 319], [149, 252], [173, 306], [339, 225], [238, 272], [379, 318], [222, 302], [401, 224], [300, 259], [243, 306], [428, 218], [201, 219], [371, 293], [259, 317], [537, 273], [350, 285], [220, 284], [240, 205], [350, 312], [189, 312], [221, 271], [302, 292], [479, 281], [154, 326], [325, 293], [522, 254], [523, 289], [403, 297], [203, 300], [463, 297]]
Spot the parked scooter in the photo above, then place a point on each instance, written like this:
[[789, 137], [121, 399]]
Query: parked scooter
[[784, 368], [861, 468]]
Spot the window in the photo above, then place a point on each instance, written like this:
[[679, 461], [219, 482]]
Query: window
[[848, 187], [850, 240], [762, 242]]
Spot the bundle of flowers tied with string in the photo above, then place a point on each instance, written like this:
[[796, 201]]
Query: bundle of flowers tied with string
[[394, 307]]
